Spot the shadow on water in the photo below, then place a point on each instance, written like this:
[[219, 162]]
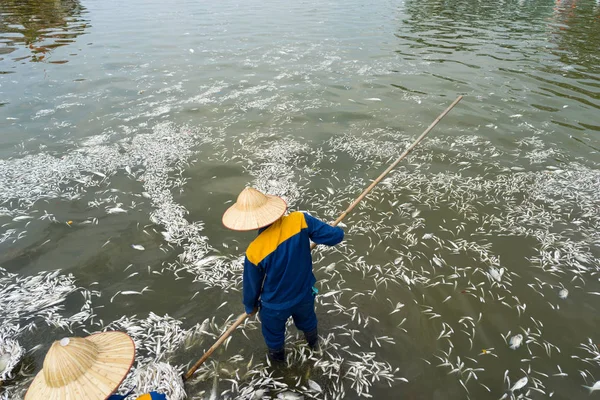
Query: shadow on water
[[39, 26]]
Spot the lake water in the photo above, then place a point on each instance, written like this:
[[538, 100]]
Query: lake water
[[137, 123]]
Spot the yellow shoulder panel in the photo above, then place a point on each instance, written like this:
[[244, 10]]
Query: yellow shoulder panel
[[280, 231], [146, 396]]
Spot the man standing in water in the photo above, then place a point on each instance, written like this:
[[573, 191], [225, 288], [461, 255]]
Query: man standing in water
[[278, 272]]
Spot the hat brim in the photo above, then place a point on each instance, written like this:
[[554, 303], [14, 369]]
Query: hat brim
[[240, 220], [116, 353]]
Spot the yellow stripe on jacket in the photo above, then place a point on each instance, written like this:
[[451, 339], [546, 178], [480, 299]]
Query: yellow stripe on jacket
[[280, 231]]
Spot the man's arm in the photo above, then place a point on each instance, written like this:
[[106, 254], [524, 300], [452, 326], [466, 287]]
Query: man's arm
[[322, 233], [252, 285]]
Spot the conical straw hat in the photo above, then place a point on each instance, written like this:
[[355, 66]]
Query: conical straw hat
[[90, 368], [253, 210]]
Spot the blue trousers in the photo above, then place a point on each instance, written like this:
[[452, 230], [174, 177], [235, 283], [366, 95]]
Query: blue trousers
[[273, 321]]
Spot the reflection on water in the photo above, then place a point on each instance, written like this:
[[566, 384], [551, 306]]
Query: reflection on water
[[539, 51], [575, 28], [39, 26]]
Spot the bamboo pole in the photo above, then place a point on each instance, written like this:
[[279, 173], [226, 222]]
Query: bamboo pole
[[244, 316], [240, 320]]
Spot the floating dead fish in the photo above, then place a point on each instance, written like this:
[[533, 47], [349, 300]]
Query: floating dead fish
[[100, 174], [563, 294], [594, 387], [138, 247], [314, 386], [116, 210], [287, 395], [496, 273], [22, 217], [10, 355], [519, 384], [515, 341]]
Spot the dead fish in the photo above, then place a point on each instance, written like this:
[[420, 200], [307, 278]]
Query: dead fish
[[138, 247], [287, 395], [22, 217], [515, 341], [563, 293], [4, 360], [330, 267], [116, 210], [214, 395], [593, 388], [314, 386], [496, 273], [520, 384]]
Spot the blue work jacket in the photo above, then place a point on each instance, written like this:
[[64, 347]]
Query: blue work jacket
[[278, 263]]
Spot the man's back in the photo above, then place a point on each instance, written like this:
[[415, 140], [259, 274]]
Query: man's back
[[280, 256], [278, 275]]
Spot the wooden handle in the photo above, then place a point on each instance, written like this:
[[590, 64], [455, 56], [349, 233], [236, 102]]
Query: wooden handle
[[365, 192], [392, 166], [240, 320]]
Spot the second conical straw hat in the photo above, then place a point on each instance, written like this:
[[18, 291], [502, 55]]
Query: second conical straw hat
[[253, 210], [90, 368]]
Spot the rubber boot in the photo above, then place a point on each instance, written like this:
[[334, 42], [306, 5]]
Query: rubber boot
[[312, 338], [277, 355]]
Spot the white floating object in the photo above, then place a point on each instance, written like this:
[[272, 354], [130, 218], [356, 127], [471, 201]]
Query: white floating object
[[563, 293], [593, 388], [288, 395], [100, 174], [138, 247], [496, 273], [314, 386], [22, 217], [373, 99], [116, 210], [520, 384], [515, 341]]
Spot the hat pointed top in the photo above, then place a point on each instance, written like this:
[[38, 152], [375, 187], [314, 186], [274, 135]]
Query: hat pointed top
[[253, 210], [90, 368]]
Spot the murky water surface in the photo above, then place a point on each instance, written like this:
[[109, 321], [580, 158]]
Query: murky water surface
[[138, 122]]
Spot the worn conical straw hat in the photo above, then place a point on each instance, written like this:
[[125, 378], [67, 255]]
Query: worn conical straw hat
[[253, 210], [90, 368]]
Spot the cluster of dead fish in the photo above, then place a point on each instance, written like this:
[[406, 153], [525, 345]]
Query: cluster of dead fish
[[407, 266]]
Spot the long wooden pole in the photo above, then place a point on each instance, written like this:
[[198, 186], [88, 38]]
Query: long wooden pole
[[243, 316]]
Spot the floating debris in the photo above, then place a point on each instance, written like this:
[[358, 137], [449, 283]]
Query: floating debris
[[563, 293], [515, 341], [594, 387], [422, 245], [10, 355]]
